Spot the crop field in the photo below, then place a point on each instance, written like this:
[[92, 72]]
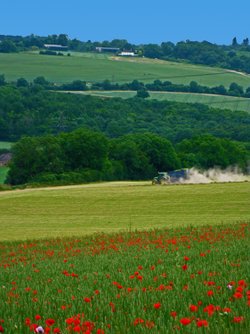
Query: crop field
[[118, 206], [216, 101], [5, 145], [179, 260], [3, 174], [190, 279], [97, 67]]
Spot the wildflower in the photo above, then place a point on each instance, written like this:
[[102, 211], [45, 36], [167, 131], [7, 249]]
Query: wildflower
[[202, 323], [1, 329], [39, 329], [238, 295], [173, 314], [138, 321], [157, 305], [87, 300], [193, 308], [185, 321], [238, 319], [49, 322], [185, 267]]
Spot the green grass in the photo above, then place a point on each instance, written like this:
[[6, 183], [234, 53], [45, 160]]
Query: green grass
[[110, 207], [5, 145], [98, 67], [3, 174], [216, 101]]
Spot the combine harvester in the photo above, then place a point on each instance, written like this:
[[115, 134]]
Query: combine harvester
[[176, 176]]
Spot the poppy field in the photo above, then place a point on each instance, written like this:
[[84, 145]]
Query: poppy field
[[191, 279]]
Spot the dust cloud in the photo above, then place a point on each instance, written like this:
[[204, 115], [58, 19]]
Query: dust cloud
[[232, 174]]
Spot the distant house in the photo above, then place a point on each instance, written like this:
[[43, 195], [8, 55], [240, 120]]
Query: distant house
[[5, 159], [106, 49], [56, 47], [127, 54]]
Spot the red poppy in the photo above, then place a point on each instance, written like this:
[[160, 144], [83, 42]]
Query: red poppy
[[173, 314], [202, 323], [87, 300], [50, 322], [238, 319], [185, 321], [157, 305], [1, 329], [193, 308]]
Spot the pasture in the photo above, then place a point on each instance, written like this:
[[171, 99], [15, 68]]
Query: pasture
[[215, 101], [118, 206], [93, 67]]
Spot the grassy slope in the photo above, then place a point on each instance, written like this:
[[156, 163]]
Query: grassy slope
[[118, 206], [216, 101], [95, 67]]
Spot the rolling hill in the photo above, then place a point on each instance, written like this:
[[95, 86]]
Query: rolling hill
[[94, 67]]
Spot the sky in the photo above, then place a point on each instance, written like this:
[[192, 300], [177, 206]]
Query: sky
[[138, 21]]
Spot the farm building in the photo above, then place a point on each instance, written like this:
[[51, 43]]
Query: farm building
[[5, 159], [106, 49], [56, 47], [127, 54]]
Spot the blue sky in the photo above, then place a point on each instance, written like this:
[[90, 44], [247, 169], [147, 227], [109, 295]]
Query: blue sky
[[138, 21]]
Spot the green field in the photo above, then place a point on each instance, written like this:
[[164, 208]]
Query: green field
[[110, 207], [3, 174], [216, 101], [5, 145], [97, 67]]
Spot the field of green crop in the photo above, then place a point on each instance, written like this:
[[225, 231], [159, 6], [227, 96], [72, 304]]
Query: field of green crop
[[110, 207], [5, 145], [3, 174], [216, 101], [98, 67]]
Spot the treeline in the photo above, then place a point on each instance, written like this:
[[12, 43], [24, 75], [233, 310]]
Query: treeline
[[229, 56], [34, 111], [158, 85], [87, 156], [167, 86]]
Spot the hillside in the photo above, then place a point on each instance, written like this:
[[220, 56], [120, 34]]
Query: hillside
[[98, 67]]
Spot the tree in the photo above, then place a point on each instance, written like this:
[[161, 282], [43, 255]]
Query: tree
[[21, 82], [245, 42], [7, 46], [142, 93], [41, 81], [234, 42], [2, 80]]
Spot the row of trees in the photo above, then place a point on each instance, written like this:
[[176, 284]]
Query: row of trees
[[34, 111], [192, 51], [85, 156], [167, 86], [158, 85]]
